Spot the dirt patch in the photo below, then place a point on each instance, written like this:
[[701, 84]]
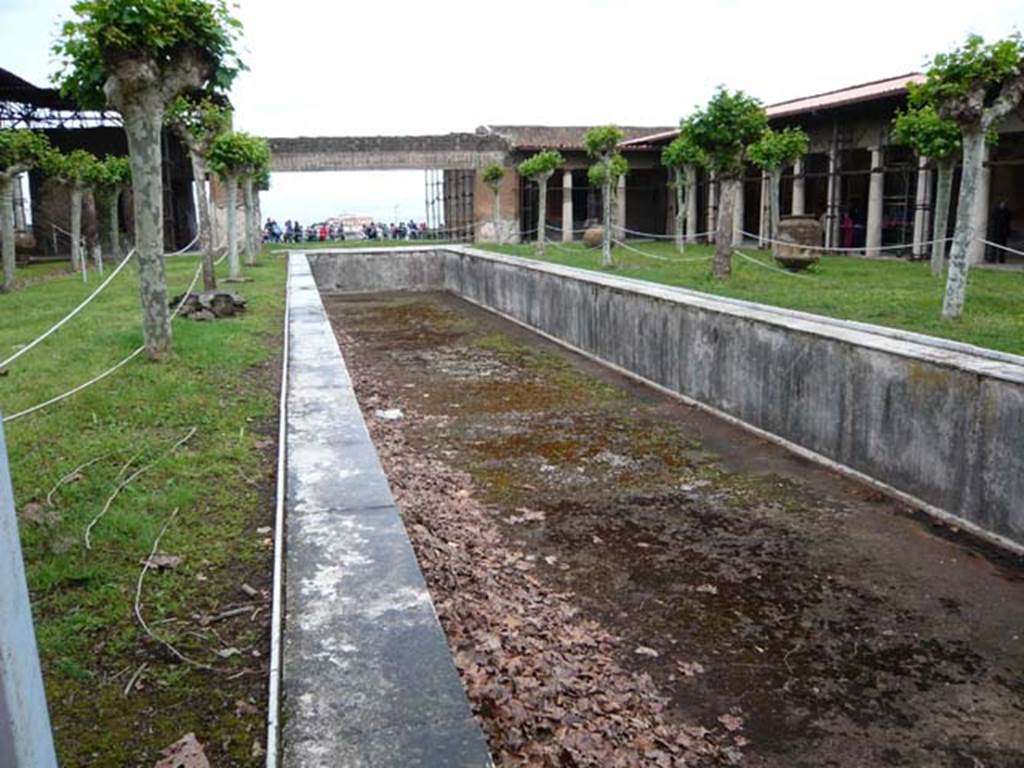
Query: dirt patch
[[711, 586]]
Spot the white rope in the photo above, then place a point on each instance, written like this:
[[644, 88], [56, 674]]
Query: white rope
[[56, 326], [989, 242], [768, 266], [562, 229], [127, 481], [74, 391], [904, 246], [660, 258], [181, 251], [655, 236], [117, 366]]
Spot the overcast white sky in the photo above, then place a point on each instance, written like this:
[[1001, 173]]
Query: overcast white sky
[[323, 67]]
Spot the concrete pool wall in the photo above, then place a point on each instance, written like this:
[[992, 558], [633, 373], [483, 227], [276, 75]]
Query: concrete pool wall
[[938, 423]]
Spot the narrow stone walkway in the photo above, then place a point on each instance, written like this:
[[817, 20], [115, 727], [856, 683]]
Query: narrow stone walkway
[[367, 676]]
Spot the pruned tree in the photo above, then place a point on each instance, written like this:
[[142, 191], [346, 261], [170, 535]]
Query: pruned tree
[[771, 153], [682, 157], [724, 129], [20, 151], [602, 145], [539, 168], [236, 157], [197, 122], [137, 56], [111, 177], [938, 139], [258, 164], [975, 85], [75, 170], [492, 176]]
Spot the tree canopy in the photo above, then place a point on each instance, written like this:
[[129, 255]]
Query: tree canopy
[[542, 164], [927, 133], [683, 151], [974, 82], [776, 149], [492, 176], [730, 123], [609, 171], [106, 34], [602, 141], [77, 168], [237, 153], [111, 173], [22, 150], [198, 121]]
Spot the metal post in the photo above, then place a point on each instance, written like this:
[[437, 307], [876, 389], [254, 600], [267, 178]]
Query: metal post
[[25, 737]]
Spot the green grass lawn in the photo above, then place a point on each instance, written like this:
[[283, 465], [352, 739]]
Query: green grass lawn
[[222, 380], [29, 274], [894, 293]]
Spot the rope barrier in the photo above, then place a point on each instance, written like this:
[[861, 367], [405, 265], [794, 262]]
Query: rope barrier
[[773, 241], [56, 326], [182, 250], [659, 257], [656, 236], [117, 366], [768, 266], [1001, 247]]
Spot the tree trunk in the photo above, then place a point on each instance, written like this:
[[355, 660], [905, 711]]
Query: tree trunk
[[7, 229], [775, 185], [250, 225], [115, 225], [76, 230], [205, 232], [606, 207], [680, 211], [542, 207], [956, 280], [91, 226], [497, 217], [721, 267], [143, 121], [234, 268], [943, 193]]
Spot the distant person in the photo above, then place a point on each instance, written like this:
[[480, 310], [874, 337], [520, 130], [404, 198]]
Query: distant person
[[846, 226], [999, 233]]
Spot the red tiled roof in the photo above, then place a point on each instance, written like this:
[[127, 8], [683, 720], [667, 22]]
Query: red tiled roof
[[853, 94]]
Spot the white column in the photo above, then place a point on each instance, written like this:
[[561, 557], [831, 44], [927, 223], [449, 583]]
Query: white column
[[620, 209], [798, 187], [922, 204], [19, 203], [691, 205], [832, 199], [737, 214], [876, 192], [567, 207], [976, 250]]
